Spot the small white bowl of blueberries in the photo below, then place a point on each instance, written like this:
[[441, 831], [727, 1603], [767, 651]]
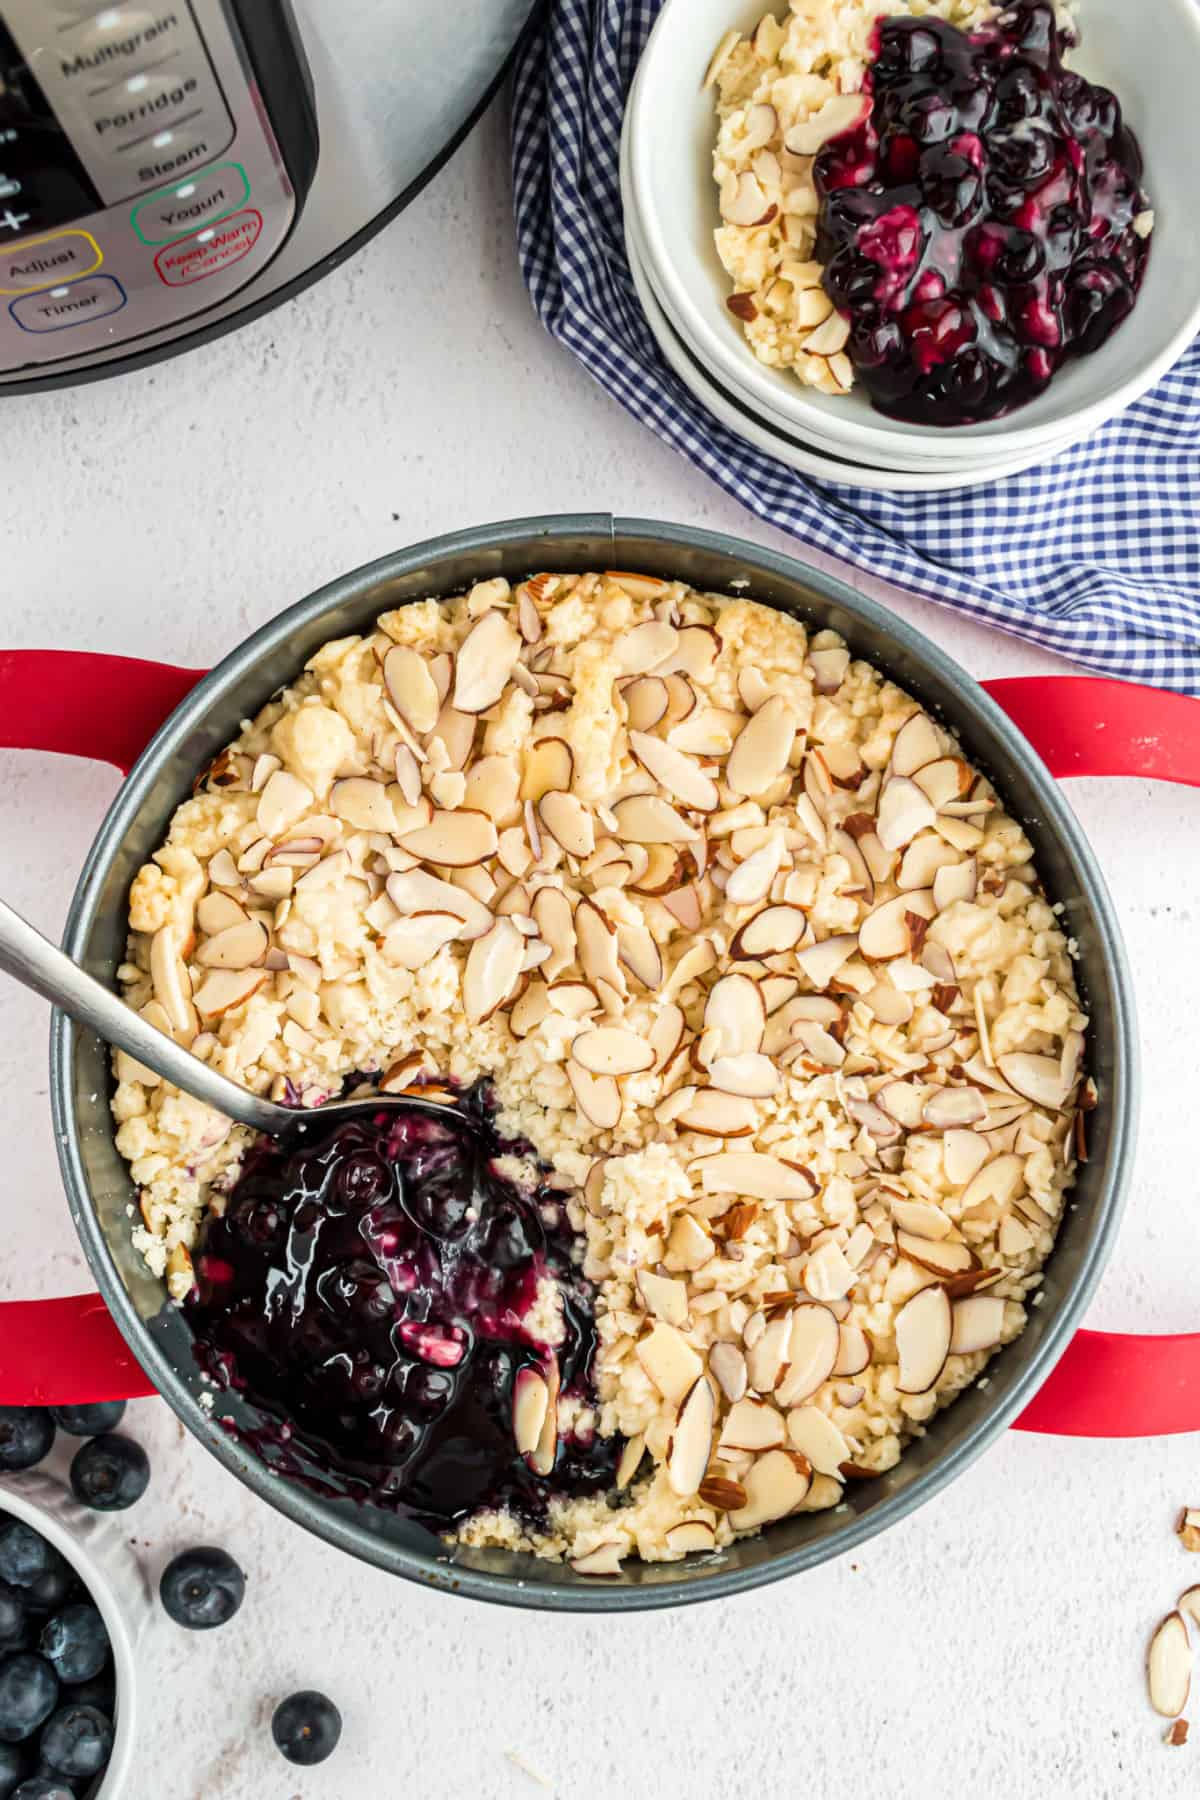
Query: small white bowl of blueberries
[[75, 1604]]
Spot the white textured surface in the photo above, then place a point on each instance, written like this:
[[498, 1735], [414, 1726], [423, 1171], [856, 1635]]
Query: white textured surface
[[993, 1643]]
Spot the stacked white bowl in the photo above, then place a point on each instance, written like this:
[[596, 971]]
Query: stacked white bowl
[[1152, 62]]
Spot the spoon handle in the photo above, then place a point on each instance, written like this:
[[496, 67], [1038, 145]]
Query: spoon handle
[[38, 964]]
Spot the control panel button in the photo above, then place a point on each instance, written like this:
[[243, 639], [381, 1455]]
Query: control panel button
[[200, 200], [134, 89], [206, 252], [48, 261], [76, 303]]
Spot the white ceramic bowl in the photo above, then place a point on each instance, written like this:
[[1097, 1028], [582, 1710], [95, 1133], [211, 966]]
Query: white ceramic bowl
[[806, 454], [96, 1549], [964, 470], [1150, 56], [793, 452]]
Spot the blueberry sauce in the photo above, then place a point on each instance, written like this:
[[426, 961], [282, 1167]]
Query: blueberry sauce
[[370, 1294], [977, 225]]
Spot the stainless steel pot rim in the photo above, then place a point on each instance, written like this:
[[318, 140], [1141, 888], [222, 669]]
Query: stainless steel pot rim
[[339, 1528]]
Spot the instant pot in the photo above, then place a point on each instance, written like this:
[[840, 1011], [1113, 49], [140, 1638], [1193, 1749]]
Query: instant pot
[[171, 169]]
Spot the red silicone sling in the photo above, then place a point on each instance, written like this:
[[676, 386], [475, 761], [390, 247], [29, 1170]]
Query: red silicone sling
[[1107, 1384]]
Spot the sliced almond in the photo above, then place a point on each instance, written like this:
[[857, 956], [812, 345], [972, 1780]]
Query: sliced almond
[[813, 1347], [884, 932], [411, 688], [750, 1074], [670, 1362], [597, 1096], [484, 663], [640, 954], [823, 961], [531, 1400], [452, 840], [610, 1050], [842, 113], [284, 799], [750, 882], [605, 1559], [735, 1010], [690, 1536], [492, 968], [941, 1256], [827, 1273], [1037, 1078], [722, 1493], [237, 947], [916, 743], [225, 989], [714, 1114], [645, 702], [414, 891], [950, 1107], [556, 925], [492, 787], [1169, 1666], [762, 748], [854, 1350], [414, 940], [922, 1330], [755, 1176], [978, 1324], [648, 819], [903, 812], [775, 1485], [568, 821], [643, 647], [549, 765], [769, 933], [727, 1366], [680, 775], [743, 202], [752, 1424], [818, 1439], [691, 1440], [663, 1296]]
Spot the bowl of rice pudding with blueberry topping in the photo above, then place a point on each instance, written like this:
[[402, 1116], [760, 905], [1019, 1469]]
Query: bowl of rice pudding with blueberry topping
[[762, 1046]]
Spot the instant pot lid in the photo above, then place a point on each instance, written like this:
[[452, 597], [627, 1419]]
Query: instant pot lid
[[397, 88]]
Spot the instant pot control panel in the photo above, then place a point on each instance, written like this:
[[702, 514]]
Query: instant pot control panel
[[153, 160]]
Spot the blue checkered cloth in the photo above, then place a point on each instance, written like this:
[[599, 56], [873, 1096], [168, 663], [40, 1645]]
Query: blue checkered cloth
[[1095, 555]]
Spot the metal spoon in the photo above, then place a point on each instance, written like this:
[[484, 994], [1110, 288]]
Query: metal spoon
[[38, 964]]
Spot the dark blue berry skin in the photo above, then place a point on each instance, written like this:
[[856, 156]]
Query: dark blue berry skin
[[75, 1642], [25, 1556], [28, 1695], [14, 1763], [12, 1615], [306, 1728], [110, 1473], [100, 1692], [44, 1787], [26, 1434], [78, 1741], [202, 1588], [51, 1591], [89, 1421]]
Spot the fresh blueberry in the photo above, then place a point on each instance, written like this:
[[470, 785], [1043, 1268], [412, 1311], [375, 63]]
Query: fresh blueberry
[[12, 1613], [14, 1763], [202, 1588], [76, 1642], [26, 1434], [306, 1728], [100, 1692], [44, 1787], [51, 1591], [25, 1556], [89, 1421], [28, 1694], [77, 1741], [109, 1473]]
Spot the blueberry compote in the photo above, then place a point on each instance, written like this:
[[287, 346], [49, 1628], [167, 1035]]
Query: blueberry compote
[[372, 1293], [977, 225]]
